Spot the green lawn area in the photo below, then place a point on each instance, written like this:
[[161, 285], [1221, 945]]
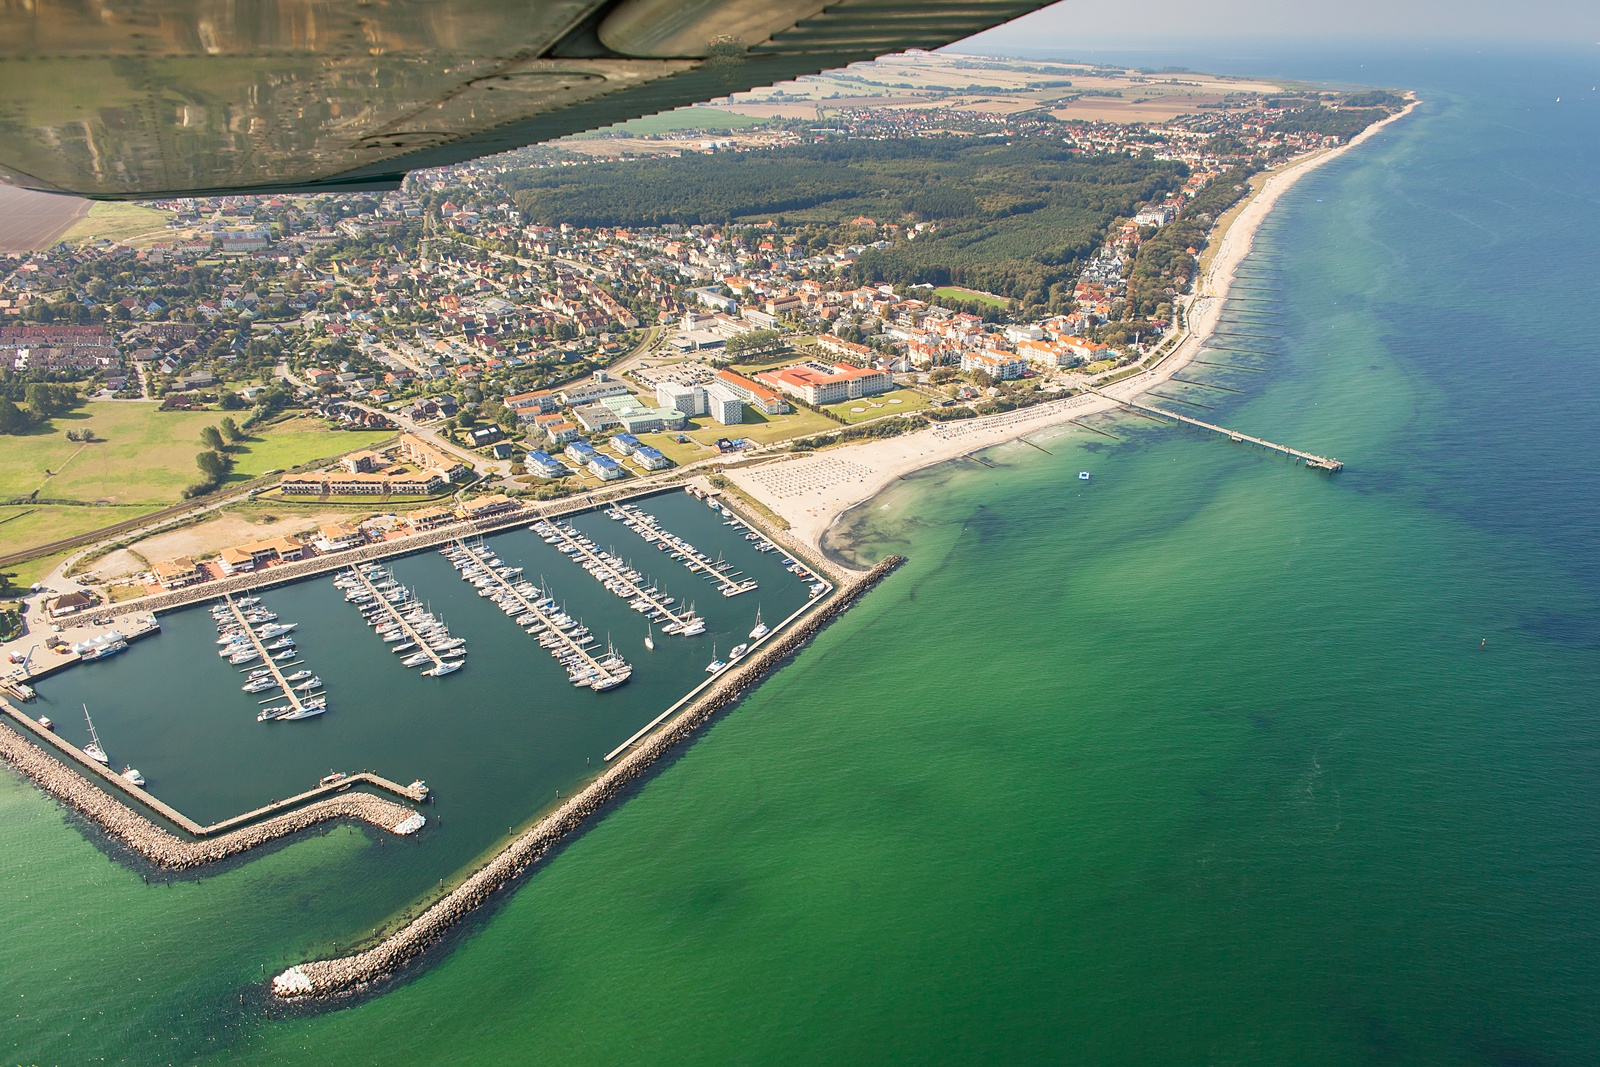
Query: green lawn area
[[953, 292], [762, 429], [146, 457], [26, 525], [30, 571], [877, 406], [116, 221]]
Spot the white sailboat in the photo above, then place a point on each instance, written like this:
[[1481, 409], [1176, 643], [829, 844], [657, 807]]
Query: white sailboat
[[761, 628], [650, 638], [93, 749]]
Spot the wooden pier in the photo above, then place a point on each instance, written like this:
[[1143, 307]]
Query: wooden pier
[[395, 614], [1312, 462], [671, 543], [266, 658]]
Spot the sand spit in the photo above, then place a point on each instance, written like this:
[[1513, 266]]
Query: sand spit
[[352, 974], [150, 842]]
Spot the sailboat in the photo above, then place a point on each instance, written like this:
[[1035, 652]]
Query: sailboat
[[650, 638], [716, 664], [93, 749], [761, 628]]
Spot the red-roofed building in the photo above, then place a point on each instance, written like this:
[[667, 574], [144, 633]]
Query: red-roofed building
[[816, 382]]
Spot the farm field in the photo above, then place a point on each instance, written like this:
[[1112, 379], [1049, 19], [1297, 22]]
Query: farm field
[[116, 222], [23, 526], [145, 457]]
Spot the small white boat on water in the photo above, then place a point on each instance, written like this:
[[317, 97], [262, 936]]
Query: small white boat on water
[[93, 749], [738, 651], [761, 628], [443, 669], [129, 774], [650, 638]]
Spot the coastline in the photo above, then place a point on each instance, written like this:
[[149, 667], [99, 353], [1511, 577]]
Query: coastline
[[811, 491], [356, 973]]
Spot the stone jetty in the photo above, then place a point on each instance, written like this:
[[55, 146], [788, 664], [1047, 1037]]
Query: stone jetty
[[351, 974], [147, 840]]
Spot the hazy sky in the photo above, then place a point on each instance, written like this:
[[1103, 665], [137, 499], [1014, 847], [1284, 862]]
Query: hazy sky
[[1131, 23]]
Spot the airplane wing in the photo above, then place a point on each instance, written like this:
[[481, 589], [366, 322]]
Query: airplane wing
[[124, 99]]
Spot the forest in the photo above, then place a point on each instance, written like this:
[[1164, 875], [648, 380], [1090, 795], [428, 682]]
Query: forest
[[1010, 218]]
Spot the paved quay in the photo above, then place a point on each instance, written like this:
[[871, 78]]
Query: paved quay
[[350, 975]]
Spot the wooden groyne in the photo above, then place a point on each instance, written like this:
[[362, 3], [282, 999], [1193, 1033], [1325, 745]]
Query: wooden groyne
[[351, 974], [148, 841], [1312, 462]]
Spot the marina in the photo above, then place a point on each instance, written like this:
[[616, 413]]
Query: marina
[[557, 632], [243, 644], [391, 609], [205, 755], [718, 570], [620, 578]]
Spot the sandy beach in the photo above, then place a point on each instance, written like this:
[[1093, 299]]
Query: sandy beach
[[811, 490]]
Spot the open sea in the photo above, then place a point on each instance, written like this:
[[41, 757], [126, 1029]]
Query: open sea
[[1207, 759]]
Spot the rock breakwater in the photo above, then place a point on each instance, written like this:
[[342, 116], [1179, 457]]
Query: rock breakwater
[[148, 841], [351, 974]]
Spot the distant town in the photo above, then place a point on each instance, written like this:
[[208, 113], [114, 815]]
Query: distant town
[[529, 356]]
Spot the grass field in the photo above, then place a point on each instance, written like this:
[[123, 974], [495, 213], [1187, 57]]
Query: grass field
[[952, 292], [899, 402], [23, 526], [33, 570], [762, 429], [116, 222], [146, 457]]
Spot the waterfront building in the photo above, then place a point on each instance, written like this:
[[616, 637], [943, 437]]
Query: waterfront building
[[1001, 366], [72, 604], [542, 464], [484, 506], [725, 405], [604, 467], [580, 452], [428, 518], [178, 572], [338, 536], [625, 443], [817, 382], [651, 459]]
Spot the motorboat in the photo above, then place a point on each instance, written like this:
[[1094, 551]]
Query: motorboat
[[297, 676], [443, 669], [131, 775], [738, 651]]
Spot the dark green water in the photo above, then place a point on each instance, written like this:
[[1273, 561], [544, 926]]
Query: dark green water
[[1209, 759]]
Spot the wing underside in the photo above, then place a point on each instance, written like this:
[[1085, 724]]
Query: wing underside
[[122, 99]]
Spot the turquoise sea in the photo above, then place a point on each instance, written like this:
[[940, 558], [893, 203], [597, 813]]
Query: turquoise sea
[[1208, 759]]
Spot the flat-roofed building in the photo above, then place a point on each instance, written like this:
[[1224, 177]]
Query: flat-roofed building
[[725, 405], [689, 399]]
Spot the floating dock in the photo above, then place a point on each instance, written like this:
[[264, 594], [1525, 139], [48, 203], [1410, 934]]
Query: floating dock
[[267, 661], [394, 613], [686, 624]]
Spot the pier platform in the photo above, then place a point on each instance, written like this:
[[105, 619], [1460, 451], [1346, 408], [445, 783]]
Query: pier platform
[[1311, 460]]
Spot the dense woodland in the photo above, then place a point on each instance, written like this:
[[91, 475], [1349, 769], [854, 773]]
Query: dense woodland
[[1165, 263], [1011, 218]]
